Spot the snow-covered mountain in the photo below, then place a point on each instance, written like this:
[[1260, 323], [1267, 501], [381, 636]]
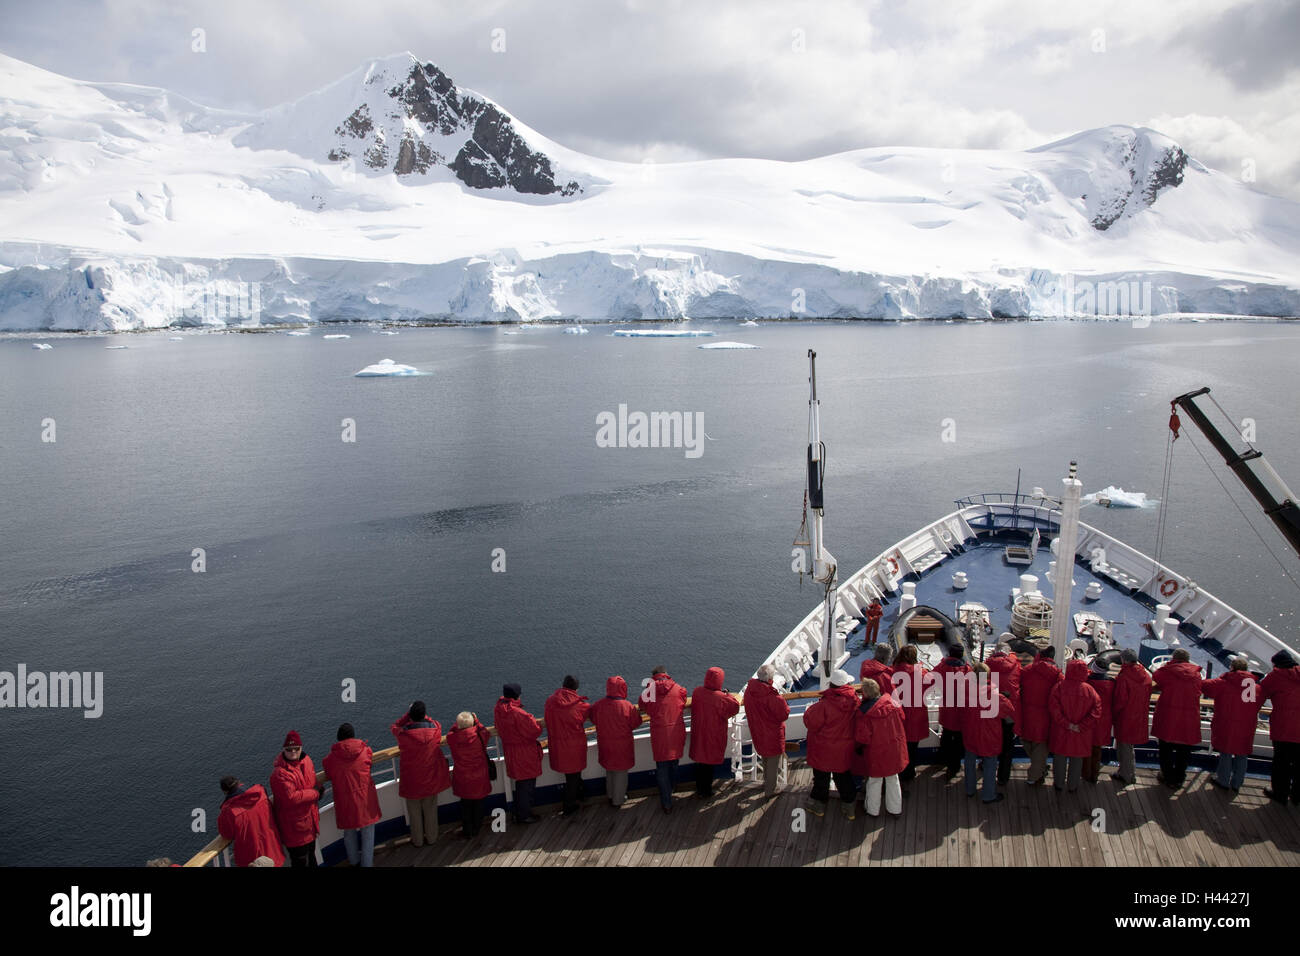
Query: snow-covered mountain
[[393, 193]]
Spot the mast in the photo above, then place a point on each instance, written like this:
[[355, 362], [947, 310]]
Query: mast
[[1071, 499], [824, 569]]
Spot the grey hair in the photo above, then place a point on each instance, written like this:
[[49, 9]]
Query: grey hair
[[464, 720], [766, 673]]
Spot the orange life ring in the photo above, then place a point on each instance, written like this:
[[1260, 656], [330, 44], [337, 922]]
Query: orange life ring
[[1168, 588], [893, 564]]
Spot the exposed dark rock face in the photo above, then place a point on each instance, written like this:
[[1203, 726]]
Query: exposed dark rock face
[[492, 154], [1167, 171], [1162, 171]]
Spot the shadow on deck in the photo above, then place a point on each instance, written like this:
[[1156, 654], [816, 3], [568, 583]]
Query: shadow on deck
[[1099, 825]]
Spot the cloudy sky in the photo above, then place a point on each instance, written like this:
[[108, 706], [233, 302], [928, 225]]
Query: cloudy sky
[[685, 79]]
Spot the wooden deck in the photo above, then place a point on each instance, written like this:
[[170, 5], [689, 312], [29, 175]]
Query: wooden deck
[[1144, 825]]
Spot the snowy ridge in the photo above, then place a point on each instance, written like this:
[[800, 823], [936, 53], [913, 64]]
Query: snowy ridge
[[126, 207]]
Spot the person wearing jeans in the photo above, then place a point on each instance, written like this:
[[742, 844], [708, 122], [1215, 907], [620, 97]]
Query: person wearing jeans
[[1237, 700], [664, 701], [356, 803]]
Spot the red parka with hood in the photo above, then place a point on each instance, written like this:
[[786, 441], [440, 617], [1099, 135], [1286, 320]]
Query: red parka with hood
[[910, 684], [955, 697], [829, 723], [293, 782], [1178, 711], [1073, 701], [878, 728], [469, 762], [872, 669], [1131, 705], [1281, 686], [424, 768], [1237, 700], [615, 717], [1104, 685], [566, 741], [356, 804], [518, 730], [665, 700], [245, 821], [1006, 667], [766, 713], [711, 708], [1036, 683], [982, 733]]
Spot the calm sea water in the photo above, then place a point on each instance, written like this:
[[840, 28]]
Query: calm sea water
[[371, 561]]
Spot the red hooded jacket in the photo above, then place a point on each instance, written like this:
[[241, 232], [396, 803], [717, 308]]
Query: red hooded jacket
[[347, 765], [615, 717], [711, 708], [1281, 686], [766, 713], [982, 735], [566, 741], [293, 782], [1073, 701], [518, 730], [955, 695], [245, 820], [1104, 685], [1006, 667], [1237, 700], [424, 768], [469, 762], [1036, 683], [879, 729], [1178, 711], [830, 729], [664, 700], [1131, 705], [872, 669], [910, 684]]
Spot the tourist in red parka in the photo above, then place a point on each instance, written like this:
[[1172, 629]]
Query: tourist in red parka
[[766, 713], [1130, 714], [877, 668], [424, 771], [1099, 679], [1237, 700], [910, 684], [1281, 686], [664, 700], [356, 803], [878, 730], [1004, 673], [712, 708], [519, 732], [986, 716], [470, 778], [615, 717], [566, 743], [1033, 721], [952, 674], [1075, 708], [1177, 724], [293, 784], [245, 821], [829, 723]]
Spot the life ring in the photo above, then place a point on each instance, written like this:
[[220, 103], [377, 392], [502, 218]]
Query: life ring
[[1168, 588], [893, 565]]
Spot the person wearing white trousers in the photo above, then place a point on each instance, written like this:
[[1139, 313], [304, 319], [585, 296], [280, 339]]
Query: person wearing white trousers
[[880, 734]]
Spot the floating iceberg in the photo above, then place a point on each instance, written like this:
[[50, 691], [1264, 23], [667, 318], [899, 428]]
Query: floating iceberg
[[726, 345], [386, 368], [1112, 497], [749, 323], [338, 336], [42, 346], [575, 330], [112, 347], [387, 332], [661, 333], [301, 332], [175, 338]]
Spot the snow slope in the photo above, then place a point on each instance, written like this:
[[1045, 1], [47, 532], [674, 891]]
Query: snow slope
[[129, 207]]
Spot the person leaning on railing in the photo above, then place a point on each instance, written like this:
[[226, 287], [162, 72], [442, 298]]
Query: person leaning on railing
[[1177, 724], [766, 713], [830, 725], [711, 708], [424, 771], [356, 802], [1131, 714], [1281, 686], [519, 732], [664, 701], [1237, 702], [1033, 720], [246, 822], [615, 717], [1075, 708], [566, 745], [470, 778]]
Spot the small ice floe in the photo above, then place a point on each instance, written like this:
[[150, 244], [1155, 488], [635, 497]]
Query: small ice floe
[[114, 347], [302, 332], [1112, 497], [662, 333], [42, 346], [749, 324], [575, 330], [387, 368], [726, 345], [175, 338], [337, 335]]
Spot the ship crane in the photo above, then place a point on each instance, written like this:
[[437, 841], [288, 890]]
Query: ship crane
[[1267, 487], [824, 569]]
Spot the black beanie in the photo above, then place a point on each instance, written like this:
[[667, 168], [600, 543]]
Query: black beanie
[[346, 732], [570, 682], [511, 691], [1283, 659], [417, 711]]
